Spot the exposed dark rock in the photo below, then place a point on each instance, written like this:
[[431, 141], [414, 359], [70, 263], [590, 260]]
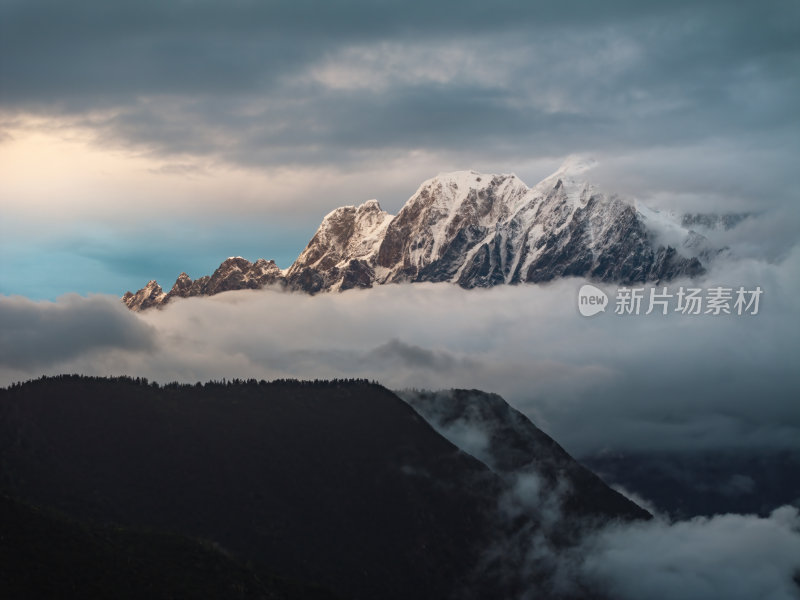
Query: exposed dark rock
[[357, 274], [235, 273], [147, 297]]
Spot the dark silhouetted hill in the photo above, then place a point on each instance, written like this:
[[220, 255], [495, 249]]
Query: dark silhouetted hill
[[44, 554], [338, 483]]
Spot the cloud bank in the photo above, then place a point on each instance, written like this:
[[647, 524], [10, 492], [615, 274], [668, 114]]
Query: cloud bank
[[280, 83], [610, 382], [737, 557], [41, 334]]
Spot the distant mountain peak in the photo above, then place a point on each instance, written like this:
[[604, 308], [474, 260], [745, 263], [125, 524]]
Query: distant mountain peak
[[475, 230], [147, 297]]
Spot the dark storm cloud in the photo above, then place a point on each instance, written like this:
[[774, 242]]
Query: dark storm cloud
[[41, 334], [236, 79]]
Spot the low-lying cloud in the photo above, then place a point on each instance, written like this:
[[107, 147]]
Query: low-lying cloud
[[730, 556], [606, 382], [736, 557], [37, 335]]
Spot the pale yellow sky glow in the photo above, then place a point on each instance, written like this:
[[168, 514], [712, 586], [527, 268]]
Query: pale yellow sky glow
[[59, 171], [56, 170]]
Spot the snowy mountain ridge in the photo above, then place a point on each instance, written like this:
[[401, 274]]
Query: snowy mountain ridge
[[474, 230]]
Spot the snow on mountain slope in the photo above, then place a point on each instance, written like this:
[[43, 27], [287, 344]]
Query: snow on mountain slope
[[475, 230], [481, 230], [431, 236], [341, 249]]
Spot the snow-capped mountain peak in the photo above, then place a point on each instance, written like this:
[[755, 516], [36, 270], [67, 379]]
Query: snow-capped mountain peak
[[475, 230], [443, 208], [479, 230], [347, 233]]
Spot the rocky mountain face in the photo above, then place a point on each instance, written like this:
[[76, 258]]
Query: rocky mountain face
[[478, 231], [341, 254], [339, 483], [473, 230], [147, 297], [235, 273]]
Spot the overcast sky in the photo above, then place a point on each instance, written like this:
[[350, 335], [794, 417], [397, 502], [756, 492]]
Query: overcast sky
[[139, 140], [142, 139]]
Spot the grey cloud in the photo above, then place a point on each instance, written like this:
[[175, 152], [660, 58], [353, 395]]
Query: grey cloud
[[413, 357], [728, 556], [37, 335], [686, 104], [609, 382], [194, 78]]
